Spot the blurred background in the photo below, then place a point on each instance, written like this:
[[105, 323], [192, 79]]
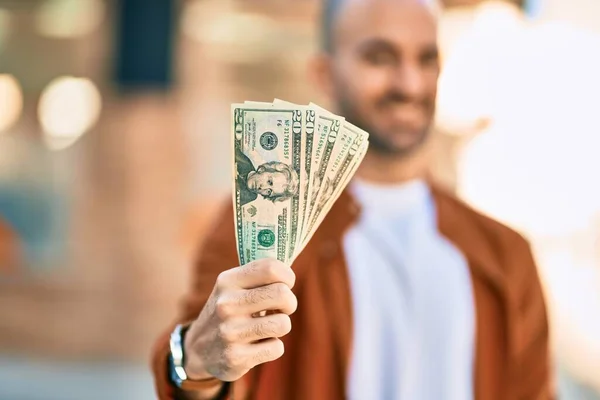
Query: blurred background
[[114, 154]]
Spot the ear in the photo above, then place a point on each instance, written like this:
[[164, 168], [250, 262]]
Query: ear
[[320, 72]]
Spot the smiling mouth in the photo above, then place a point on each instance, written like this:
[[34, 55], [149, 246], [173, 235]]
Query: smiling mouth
[[407, 114]]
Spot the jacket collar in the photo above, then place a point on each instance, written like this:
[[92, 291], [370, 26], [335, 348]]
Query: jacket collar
[[454, 221]]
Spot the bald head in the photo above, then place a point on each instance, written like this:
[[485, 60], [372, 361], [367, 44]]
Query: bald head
[[332, 10]]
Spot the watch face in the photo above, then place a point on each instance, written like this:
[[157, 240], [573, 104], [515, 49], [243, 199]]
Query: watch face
[[175, 378], [176, 356]]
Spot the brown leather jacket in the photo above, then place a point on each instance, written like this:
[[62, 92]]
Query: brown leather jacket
[[512, 356]]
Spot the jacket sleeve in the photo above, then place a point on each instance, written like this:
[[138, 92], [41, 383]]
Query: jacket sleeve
[[217, 254], [533, 375]]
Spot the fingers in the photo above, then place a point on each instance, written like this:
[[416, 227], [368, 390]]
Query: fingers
[[241, 303], [267, 350], [258, 273], [247, 356], [227, 337], [255, 329]]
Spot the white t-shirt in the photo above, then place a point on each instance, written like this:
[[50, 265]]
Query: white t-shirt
[[412, 298]]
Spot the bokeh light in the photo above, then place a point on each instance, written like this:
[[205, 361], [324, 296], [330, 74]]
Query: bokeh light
[[195, 15], [541, 154], [582, 13], [236, 36], [11, 101], [69, 18], [481, 57], [68, 108]]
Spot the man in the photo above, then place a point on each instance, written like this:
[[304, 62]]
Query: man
[[275, 181], [403, 292]]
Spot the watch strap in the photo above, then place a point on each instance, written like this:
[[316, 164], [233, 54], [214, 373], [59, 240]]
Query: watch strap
[[204, 384], [176, 361]]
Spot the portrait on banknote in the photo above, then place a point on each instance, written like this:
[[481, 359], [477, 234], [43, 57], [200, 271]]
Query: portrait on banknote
[[274, 180]]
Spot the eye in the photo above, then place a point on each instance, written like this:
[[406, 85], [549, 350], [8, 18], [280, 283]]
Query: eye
[[430, 58], [379, 58]]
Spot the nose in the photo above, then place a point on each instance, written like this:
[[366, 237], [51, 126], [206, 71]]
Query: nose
[[408, 79]]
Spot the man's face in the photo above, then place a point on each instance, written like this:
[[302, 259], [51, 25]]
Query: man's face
[[267, 183], [385, 70]]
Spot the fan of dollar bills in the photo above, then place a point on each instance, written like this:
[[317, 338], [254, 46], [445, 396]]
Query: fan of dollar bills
[[290, 164]]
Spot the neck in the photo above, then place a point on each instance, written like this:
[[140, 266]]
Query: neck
[[393, 169]]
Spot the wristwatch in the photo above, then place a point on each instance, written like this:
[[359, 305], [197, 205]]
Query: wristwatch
[[176, 364]]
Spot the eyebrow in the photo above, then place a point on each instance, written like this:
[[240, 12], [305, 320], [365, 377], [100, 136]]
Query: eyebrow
[[385, 45], [376, 44]]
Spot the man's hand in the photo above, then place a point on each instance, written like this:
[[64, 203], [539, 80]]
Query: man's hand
[[229, 337]]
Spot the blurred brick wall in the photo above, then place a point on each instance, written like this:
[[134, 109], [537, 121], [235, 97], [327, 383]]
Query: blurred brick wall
[[146, 183], [125, 263]]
